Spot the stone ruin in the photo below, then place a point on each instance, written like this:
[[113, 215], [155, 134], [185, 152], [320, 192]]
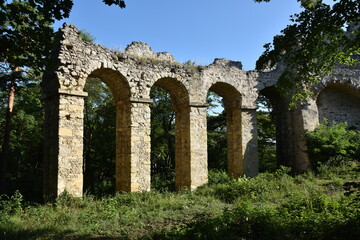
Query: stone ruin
[[130, 76]]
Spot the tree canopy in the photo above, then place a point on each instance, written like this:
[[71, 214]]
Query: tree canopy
[[26, 29], [320, 37], [26, 40], [304, 3]]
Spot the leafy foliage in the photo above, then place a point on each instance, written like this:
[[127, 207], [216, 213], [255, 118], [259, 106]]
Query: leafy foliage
[[12, 204], [304, 3], [217, 142], [313, 45], [162, 140], [86, 36], [26, 33], [26, 40], [120, 3], [99, 128], [26, 147], [353, 188], [217, 176], [266, 135], [332, 142], [269, 206], [216, 133]]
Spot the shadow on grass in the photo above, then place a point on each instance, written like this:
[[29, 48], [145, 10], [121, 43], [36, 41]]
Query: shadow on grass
[[267, 225], [232, 225], [19, 234], [47, 234]]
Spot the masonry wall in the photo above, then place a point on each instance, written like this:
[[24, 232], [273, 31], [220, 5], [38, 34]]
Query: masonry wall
[[130, 76], [340, 104]]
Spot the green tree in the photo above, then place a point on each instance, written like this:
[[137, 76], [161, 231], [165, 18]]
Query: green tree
[[99, 139], [266, 135], [26, 40], [162, 140], [24, 171], [304, 3], [332, 143], [315, 43], [19, 49], [216, 133]]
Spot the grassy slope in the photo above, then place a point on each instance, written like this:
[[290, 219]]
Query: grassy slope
[[270, 206]]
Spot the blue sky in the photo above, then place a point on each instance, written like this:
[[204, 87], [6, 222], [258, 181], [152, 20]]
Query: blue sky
[[197, 30]]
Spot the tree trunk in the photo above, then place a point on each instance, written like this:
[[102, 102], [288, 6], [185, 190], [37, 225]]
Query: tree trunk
[[6, 142]]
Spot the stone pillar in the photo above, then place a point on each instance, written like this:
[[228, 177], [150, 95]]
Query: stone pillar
[[123, 146], [182, 148], [133, 145], [234, 141], [284, 150], [191, 146], [198, 145], [305, 118], [249, 142], [242, 141], [291, 126], [63, 147]]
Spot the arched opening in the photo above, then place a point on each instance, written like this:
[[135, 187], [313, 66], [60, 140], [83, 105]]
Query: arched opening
[[162, 140], [106, 127], [266, 126], [273, 129], [231, 150], [216, 133], [169, 134], [340, 103], [99, 128]]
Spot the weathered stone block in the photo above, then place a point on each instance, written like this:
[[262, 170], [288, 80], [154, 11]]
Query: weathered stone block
[[65, 132]]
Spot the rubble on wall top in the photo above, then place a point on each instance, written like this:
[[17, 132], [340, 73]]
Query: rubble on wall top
[[141, 49], [227, 62]]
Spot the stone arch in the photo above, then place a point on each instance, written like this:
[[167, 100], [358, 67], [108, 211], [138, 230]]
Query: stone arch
[[130, 76], [63, 169], [120, 90], [231, 96], [232, 103], [178, 92], [291, 125], [116, 82], [340, 103], [189, 168]]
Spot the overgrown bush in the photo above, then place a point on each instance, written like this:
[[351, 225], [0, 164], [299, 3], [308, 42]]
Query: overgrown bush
[[269, 206], [332, 143], [266, 222], [163, 182], [218, 176], [12, 204], [245, 188]]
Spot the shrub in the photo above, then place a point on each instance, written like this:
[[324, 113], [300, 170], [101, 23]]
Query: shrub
[[229, 190], [12, 204], [163, 182], [218, 177], [332, 143], [296, 220]]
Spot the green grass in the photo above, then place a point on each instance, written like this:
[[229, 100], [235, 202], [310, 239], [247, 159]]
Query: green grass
[[269, 206]]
